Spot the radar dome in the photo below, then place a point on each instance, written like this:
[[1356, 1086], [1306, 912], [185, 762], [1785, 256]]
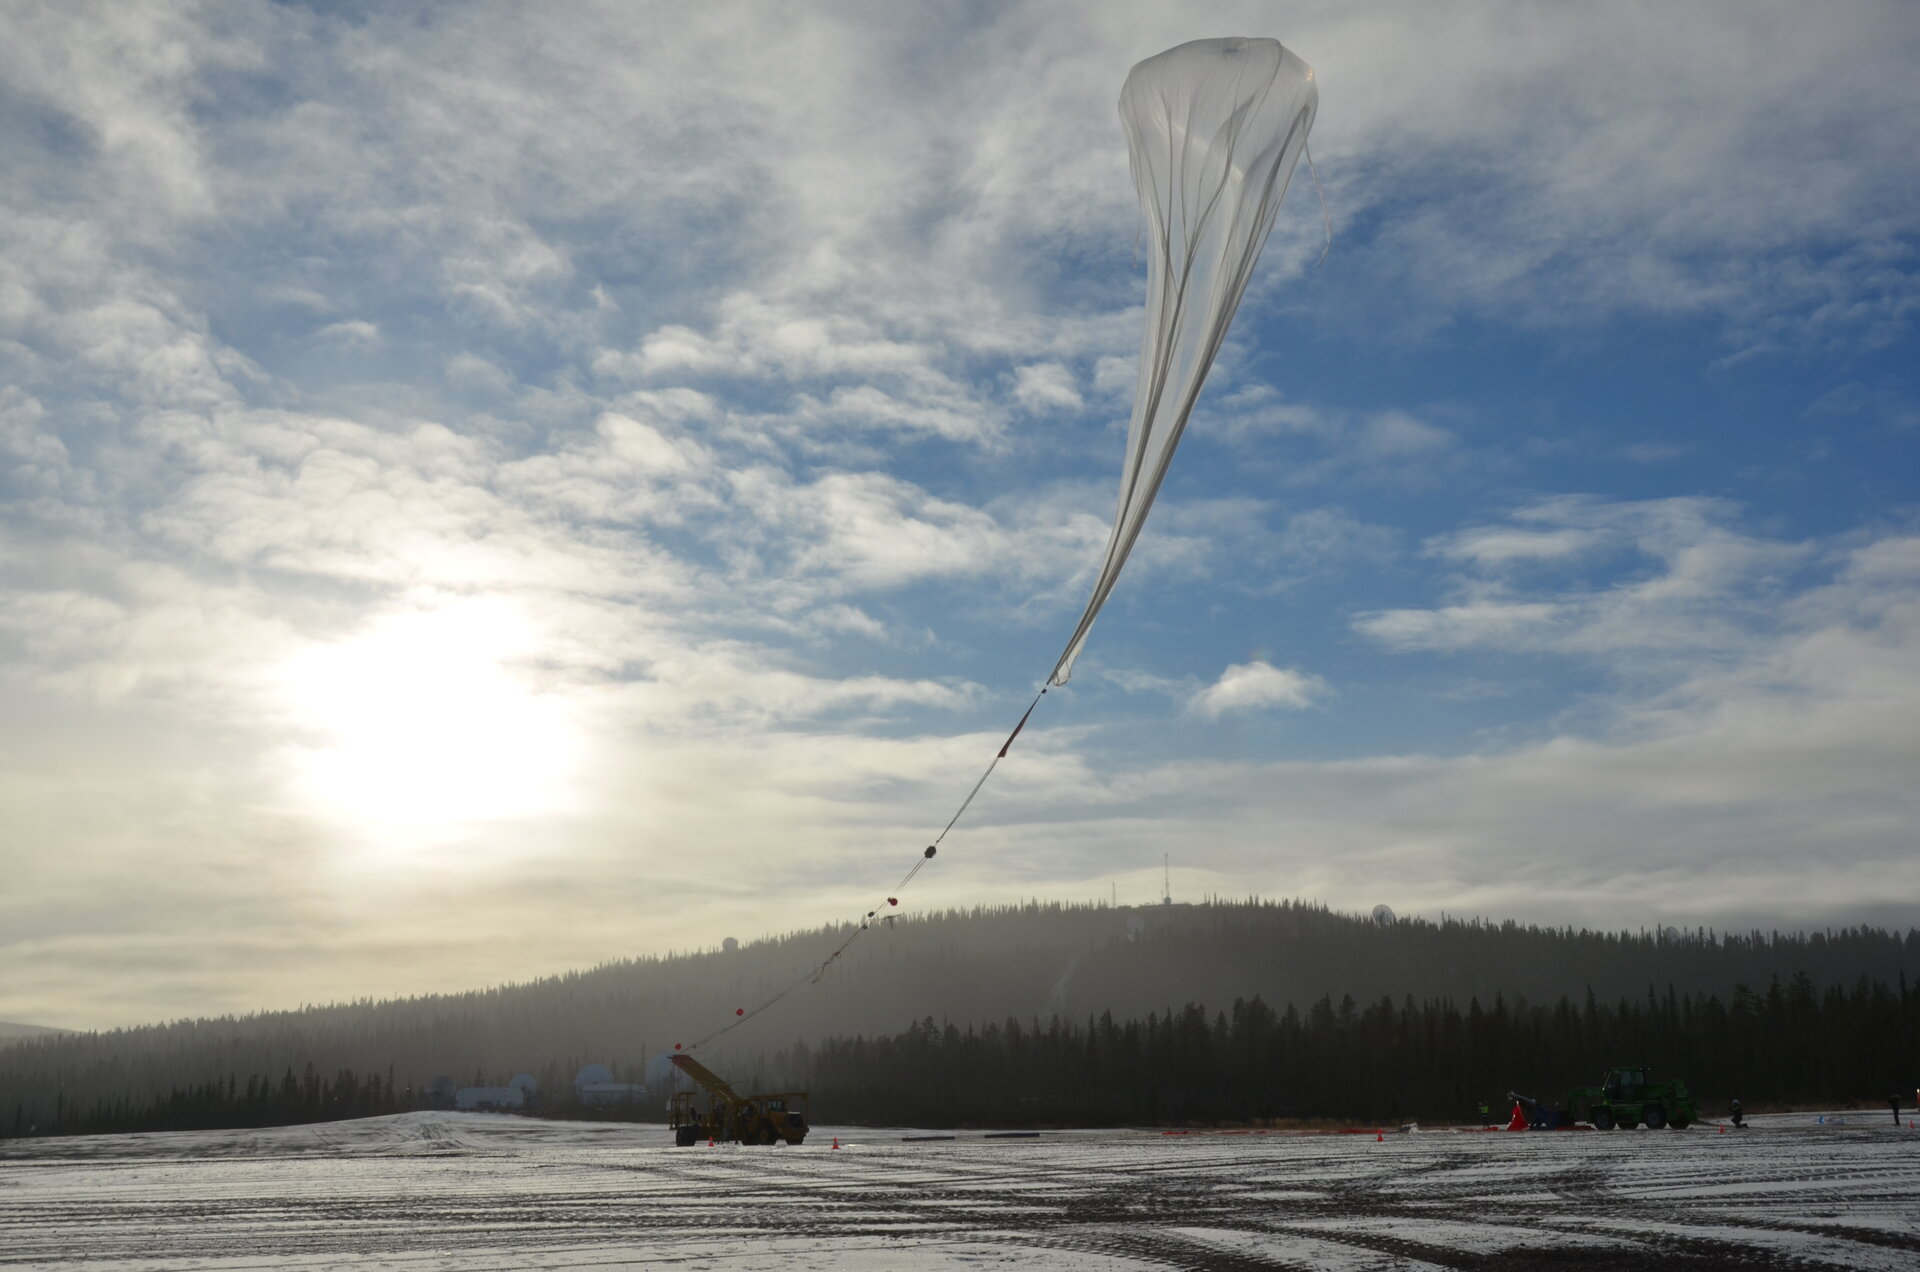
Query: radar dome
[[593, 1074], [1383, 916]]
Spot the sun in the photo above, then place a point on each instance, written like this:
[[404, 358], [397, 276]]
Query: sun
[[427, 720]]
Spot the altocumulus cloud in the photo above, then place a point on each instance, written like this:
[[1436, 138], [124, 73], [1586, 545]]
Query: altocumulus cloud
[[1256, 686]]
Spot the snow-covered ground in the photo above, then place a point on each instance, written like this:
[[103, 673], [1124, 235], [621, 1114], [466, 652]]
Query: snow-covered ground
[[477, 1191]]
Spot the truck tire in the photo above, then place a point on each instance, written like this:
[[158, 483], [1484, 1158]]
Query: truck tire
[[766, 1136], [1656, 1117], [1680, 1124], [1603, 1119], [1626, 1121], [683, 1136]]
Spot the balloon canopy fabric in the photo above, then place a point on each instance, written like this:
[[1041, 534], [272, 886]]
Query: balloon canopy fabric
[[1214, 130]]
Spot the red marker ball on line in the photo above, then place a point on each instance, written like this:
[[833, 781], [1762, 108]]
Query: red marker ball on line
[[739, 1011], [676, 1046]]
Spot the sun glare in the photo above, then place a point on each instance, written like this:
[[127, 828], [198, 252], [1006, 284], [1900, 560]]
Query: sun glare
[[425, 722]]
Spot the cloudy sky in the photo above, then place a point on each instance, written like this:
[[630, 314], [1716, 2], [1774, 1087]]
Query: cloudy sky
[[487, 489]]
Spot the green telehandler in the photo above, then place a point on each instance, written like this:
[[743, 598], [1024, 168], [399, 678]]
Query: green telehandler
[[1625, 1098]]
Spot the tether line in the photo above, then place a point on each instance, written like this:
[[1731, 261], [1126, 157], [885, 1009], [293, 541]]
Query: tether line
[[819, 969]]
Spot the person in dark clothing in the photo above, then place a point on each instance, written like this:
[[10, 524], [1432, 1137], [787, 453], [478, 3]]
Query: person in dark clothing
[[1894, 1101], [1737, 1115]]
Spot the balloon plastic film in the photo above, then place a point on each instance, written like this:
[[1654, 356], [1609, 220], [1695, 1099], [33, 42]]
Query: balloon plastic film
[[1214, 131]]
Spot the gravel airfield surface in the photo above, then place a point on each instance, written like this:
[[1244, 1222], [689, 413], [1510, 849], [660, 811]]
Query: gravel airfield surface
[[477, 1192]]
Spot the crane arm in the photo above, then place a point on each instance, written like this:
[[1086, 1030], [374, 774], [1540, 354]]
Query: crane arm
[[713, 1082]]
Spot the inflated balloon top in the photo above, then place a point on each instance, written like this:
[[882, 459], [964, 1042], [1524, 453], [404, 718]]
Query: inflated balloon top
[[1214, 130]]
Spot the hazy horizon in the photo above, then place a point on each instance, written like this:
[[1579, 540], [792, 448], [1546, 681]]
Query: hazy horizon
[[775, 1025]]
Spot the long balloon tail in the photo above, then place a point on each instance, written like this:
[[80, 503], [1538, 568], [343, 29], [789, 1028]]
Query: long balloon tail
[[813, 974]]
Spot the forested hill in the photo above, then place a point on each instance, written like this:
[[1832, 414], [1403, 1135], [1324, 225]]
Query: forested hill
[[1029, 962], [10, 1030]]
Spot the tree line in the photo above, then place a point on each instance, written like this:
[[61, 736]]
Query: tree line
[[1027, 962], [1382, 1062], [976, 965], [226, 1103]]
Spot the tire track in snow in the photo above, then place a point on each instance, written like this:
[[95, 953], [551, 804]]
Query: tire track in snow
[[510, 1194]]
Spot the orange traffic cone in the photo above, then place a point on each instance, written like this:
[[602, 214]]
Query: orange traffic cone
[[1379, 1137], [709, 1141], [1723, 1128], [836, 1141]]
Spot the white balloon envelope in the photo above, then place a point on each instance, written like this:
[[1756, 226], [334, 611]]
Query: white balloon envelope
[[1214, 131]]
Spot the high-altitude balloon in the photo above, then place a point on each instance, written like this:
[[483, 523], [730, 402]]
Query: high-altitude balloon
[[1214, 129]]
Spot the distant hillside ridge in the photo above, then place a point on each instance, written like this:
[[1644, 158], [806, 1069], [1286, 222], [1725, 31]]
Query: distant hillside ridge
[[1028, 962], [10, 1030]]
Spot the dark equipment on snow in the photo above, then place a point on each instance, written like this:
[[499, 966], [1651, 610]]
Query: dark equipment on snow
[[1624, 1099]]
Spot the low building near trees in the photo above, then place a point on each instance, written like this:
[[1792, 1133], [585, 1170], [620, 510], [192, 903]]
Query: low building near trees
[[594, 1086], [489, 1097], [517, 1094]]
